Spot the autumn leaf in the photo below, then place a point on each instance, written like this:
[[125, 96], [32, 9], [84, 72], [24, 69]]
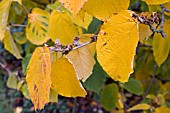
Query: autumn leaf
[[64, 80], [19, 1], [37, 26], [116, 46], [4, 12], [12, 80], [161, 46], [142, 106], [105, 9], [83, 61], [83, 19], [62, 27], [154, 2], [162, 109], [72, 5], [144, 32], [10, 45], [39, 77]]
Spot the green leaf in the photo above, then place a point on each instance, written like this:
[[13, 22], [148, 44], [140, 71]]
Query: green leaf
[[109, 96], [98, 76], [56, 5], [53, 96], [12, 81], [2, 82], [20, 37], [24, 90], [165, 70], [134, 86], [93, 27], [25, 62]]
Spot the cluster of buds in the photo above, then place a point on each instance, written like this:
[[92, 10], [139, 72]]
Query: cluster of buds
[[146, 18]]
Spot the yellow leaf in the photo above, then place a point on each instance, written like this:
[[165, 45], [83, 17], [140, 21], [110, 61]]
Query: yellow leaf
[[62, 27], [39, 77], [83, 62], [157, 8], [72, 5], [162, 109], [37, 26], [116, 46], [161, 46], [84, 38], [64, 80], [4, 12], [142, 106], [10, 45], [104, 9], [144, 32], [19, 1], [83, 19], [154, 2]]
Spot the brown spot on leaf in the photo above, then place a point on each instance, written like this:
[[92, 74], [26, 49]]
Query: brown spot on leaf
[[104, 33], [119, 76], [105, 44]]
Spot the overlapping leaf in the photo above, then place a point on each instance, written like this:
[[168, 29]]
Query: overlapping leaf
[[98, 76], [83, 62], [39, 77], [109, 96], [10, 45], [64, 80], [4, 12], [154, 2], [144, 32], [19, 1], [72, 5], [161, 46], [116, 46], [62, 27], [37, 26], [83, 19], [104, 9]]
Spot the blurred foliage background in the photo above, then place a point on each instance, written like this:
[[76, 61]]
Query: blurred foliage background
[[148, 86]]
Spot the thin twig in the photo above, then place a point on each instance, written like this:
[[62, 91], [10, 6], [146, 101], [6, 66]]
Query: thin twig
[[75, 105], [143, 45], [68, 48], [154, 18], [38, 2], [58, 8], [4, 67], [151, 82], [162, 21], [25, 9], [17, 25]]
